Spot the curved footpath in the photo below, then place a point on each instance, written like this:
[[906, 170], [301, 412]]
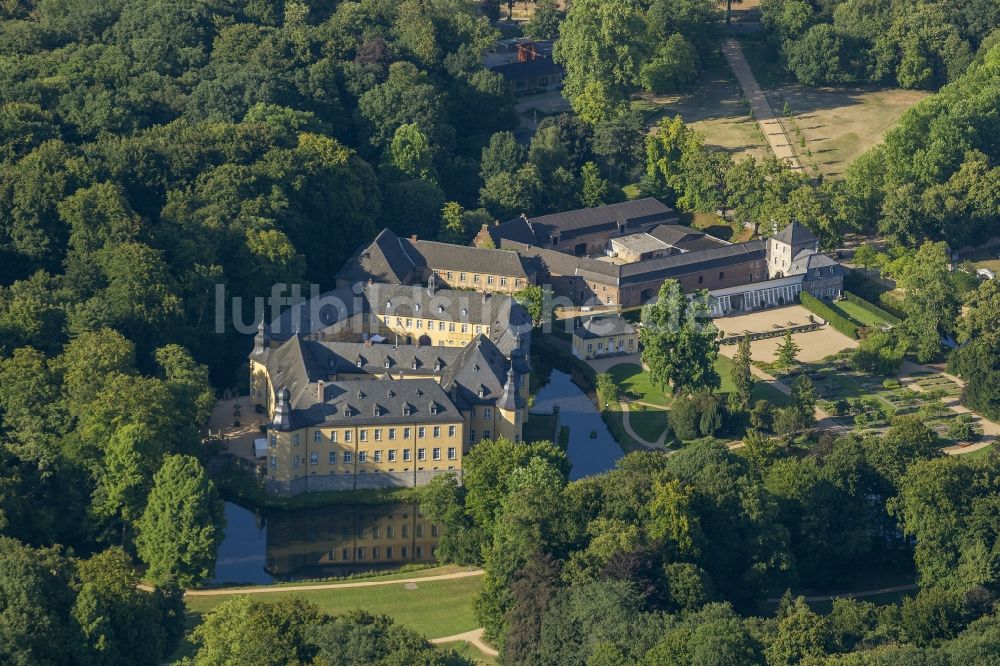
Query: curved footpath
[[474, 638]]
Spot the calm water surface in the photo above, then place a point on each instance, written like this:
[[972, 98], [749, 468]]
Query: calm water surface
[[336, 541]]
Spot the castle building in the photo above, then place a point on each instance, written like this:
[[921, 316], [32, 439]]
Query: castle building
[[350, 410]]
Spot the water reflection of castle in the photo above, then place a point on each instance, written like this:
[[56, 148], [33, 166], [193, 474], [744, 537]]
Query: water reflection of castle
[[343, 540]]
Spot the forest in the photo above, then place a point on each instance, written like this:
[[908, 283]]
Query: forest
[[152, 150]]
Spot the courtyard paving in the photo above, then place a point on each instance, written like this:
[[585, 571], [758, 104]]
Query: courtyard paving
[[814, 345]]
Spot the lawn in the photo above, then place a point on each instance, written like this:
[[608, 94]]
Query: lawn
[[761, 390], [857, 314], [470, 652], [631, 378], [714, 106], [978, 453], [435, 608], [649, 423]]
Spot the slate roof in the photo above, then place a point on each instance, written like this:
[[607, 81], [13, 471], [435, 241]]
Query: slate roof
[[527, 69], [601, 327], [386, 402], [807, 260], [602, 272], [795, 234], [470, 259], [500, 312], [388, 258], [639, 214]]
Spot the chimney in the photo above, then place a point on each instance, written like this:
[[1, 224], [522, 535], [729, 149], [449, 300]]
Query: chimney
[[413, 237], [320, 390]]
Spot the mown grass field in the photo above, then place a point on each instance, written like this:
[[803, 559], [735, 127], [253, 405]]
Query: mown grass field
[[435, 608]]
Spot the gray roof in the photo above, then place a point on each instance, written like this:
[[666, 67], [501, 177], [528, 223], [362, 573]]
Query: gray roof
[[600, 327], [639, 215], [374, 403], [795, 234], [602, 272], [685, 238], [388, 258], [807, 260], [641, 243], [500, 312], [470, 259]]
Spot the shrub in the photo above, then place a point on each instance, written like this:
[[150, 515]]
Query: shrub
[[880, 353], [961, 430], [684, 418], [711, 414], [835, 319], [891, 384]]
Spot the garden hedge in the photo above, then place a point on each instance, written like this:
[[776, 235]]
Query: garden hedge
[[835, 319], [874, 309]]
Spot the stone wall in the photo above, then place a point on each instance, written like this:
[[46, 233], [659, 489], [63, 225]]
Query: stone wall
[[341, 482]]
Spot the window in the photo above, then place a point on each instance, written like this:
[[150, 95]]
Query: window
[[436, 453], [440, 325], [405, 532], [295, 439], [362, 457], [420, 323], [345, 554], [451, 431], [489, 279], [452, 453], [590, 346], [333, 458], [363, 435], [318, 437], [392, 455], [378, 456], [274, 441], [274, 462], [392, 433], [434, 529], [420, 531], [333, 435], [419, 551], [406, 433], [390, 533], [313, 458], [409, 323], [475, 278], [347, 457], [347, 435], [472, 435], [503, 282], [388, 551], [465, 328], [378, 434], [406, 455], [486, 434], [437, 431], [421, 431], [487, 413], [477, 330], [295, 462], [375, 553], [361, 552], [421, 454], [461, 277], [701, 278], [451, 327], [722, 275], [449, 274]]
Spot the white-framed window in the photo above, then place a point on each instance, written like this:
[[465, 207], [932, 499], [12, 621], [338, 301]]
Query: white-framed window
[[461, 277], [347, 435], [333, 458], [451, 327], [449, 275], [503, 282], [465, 328], [437, 431], [452, 453], [486, 434], [421, 432], [475, 278], [295, 439], [362, 456], [363, 435], [406, 433], [392, 455], [318, 437], [313, 458], [378, 456], [274, 441], [295, 462], [274, 462], [487, 413], [472, 435], [348, 456], [489, 279], [333, 435], [440, 325], [436, 453], [406, 455], [378, 434], [451, 431], [392, 433], [421, 454]]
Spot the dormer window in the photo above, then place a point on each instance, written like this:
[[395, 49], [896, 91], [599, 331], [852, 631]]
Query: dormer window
[[378, 411], [388, 304], [360, 362], [361, 395], [387, 362], [419, 392], [407, 410], [414, 364], [440, 309], [482, 391], [416, 307], [438, 365], [475, 368], [391, 394], [464, 312], [434, 408]]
